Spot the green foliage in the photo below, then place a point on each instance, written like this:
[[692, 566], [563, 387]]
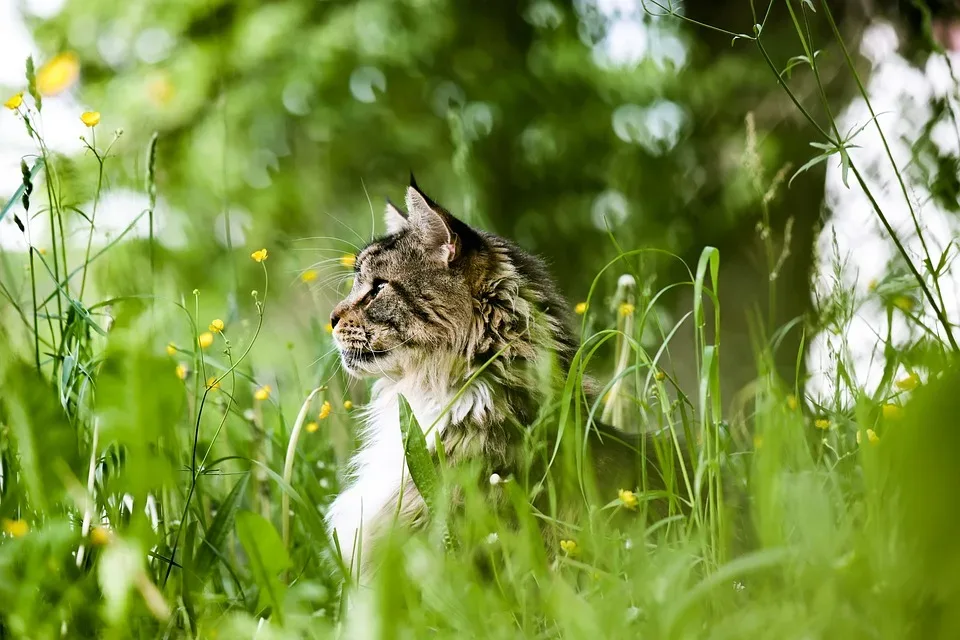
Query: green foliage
[[146, 464]]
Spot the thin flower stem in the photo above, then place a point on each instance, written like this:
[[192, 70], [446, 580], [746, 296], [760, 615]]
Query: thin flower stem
[[939, 310], [93, 216], [913, 269], [195, 472]]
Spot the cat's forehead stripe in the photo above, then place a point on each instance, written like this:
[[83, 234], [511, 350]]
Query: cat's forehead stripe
[[375, 249]]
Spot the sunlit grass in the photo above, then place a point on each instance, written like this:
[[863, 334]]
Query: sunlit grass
[[166, 458]]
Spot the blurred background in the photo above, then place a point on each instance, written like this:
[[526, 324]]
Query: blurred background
[[578, 129]]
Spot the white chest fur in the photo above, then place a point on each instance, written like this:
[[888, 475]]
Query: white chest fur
[[378, 467]]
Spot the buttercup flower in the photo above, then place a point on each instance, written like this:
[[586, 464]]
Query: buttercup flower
[[171, 349], [58, 74], [872, 437], [262, 393], [259, 256], [311, 427], [14, 102], [792, 402], [100, 536], [628, 498], [347, 405], [348, 260], [909, 383], [309, 275], [891, 411], [903, 303], [216, 326], [15, 528], [205, 339], [325, 410], [580, 309], [660, 375], [570, 547], [626, 309], [182, 371], [213, 383], [90, 118], [821, 423]]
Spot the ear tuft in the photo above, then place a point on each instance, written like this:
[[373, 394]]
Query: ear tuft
[[432, 226], [395, 219]]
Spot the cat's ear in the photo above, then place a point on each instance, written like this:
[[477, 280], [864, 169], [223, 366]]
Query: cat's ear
[[431, 225], [395, 219]]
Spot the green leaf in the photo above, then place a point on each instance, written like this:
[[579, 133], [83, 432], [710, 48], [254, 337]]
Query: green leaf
[[267, 557], [15, 198], [213, 544], [421, 466], [815, 161], [45, 443]]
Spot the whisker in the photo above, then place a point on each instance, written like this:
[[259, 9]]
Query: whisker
[[346, 226], [347, 242], [373, 218]]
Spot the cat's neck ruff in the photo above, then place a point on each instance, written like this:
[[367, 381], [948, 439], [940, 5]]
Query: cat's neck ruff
[[379, 467]]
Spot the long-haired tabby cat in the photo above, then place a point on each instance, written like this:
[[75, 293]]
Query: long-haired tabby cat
[[433, 301]]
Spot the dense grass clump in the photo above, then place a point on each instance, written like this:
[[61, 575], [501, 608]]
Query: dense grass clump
[[166, 456]]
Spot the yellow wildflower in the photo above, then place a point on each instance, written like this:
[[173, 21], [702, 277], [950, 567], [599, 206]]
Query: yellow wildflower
[[90, 118], [570, 547], [903, 303], [872, 437], [626, 309], [580, 309], [58, 74], [891, 411], [909, 383], [14, 102], [15, 528], [311, 427], [347, 405], [182, 371], [171, 349], [205, 339], [259, 256], [160, 90], [216, 326], [821, 423], [872, 285], [348, 260], [328, 328], [262, 393], [309, 275], [792, 402], [325, 410], [628, 498], [100, 536], [213, 383], [660, 376]]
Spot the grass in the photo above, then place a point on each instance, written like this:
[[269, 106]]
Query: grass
[[152, 485]]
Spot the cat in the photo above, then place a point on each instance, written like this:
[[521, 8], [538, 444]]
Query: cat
[[432, 302]]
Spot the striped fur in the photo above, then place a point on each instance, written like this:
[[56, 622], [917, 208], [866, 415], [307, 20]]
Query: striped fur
[[433, 301]]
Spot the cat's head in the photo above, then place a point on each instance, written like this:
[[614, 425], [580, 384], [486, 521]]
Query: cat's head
[[433, 289]]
